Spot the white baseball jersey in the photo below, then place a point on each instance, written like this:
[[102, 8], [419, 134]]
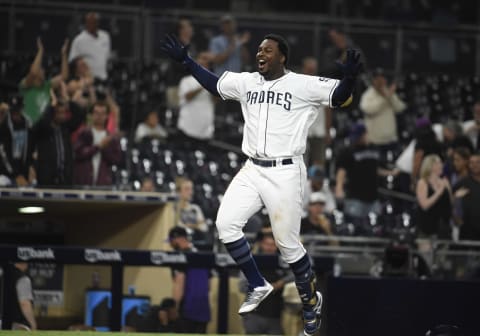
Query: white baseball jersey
[[277, 116], [277, 113]]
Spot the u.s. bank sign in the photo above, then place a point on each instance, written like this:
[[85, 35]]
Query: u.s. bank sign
[[94, 255], [30, 253]]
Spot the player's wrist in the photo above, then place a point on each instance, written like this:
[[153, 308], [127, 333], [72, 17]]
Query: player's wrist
[[187, 60]]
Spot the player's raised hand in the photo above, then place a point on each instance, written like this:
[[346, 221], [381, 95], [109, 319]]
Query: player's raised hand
[[173, 48], [352, 65]]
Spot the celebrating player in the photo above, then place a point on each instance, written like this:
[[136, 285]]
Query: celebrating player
[[278, 107]]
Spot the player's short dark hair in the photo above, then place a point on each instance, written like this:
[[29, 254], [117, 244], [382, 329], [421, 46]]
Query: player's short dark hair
[[282, 45]]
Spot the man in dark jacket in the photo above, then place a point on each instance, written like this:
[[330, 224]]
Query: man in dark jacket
[[96, 150], [15, 144], [467, 193], [359, 165], [52, 140]]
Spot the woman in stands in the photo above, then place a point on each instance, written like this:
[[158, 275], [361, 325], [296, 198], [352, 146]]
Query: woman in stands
[[434, 197]]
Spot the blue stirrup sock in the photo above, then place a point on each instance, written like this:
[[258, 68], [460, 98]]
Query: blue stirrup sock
[[240, 252], [305, 281]]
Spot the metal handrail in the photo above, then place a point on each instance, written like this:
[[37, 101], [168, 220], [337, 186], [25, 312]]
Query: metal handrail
[[364, 239], [346, 239]]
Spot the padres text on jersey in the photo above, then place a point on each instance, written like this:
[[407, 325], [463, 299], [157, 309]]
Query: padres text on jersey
[[277, 113]]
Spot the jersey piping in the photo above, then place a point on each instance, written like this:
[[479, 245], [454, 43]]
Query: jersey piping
[[266, 120], [218, 85]]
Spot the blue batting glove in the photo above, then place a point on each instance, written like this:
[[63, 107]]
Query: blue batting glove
[[174, 49], [352, 65]]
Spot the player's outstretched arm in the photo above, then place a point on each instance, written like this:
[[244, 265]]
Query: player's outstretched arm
[[342, 96], [178, 52]]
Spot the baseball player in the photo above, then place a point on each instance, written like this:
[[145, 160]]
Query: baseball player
[[278, 107]]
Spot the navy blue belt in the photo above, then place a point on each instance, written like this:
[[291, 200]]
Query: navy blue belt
[[271, 163]]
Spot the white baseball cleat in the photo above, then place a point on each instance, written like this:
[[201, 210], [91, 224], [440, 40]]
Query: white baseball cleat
[[254, 297]]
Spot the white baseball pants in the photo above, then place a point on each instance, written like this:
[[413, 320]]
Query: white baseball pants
[[281, 190]]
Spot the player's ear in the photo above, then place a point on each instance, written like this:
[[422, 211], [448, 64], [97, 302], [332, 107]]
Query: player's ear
[[282, 59]]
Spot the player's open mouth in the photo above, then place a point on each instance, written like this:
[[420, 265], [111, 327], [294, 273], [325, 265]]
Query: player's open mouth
[[261, 64]]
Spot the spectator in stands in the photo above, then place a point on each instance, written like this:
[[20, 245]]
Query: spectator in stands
[[434, 198], [461, 158], [96, 150], [80, 83], [380, 104], [265, 319], [227, 49], [176, 71], [319, 131], [35, 88], [23, 317], [315, 183], [317, 222], [196, 119], [188, 215], [309, 66], [3, 110], [113, 121], [468, 191], [148, 185], [51, 134], [190, 288], [472, 127], [358, 165], [16, 145], [341, 42], [426, 143], [453, 137], [228, 52], [81, 88], [150, 128], [93, 45]]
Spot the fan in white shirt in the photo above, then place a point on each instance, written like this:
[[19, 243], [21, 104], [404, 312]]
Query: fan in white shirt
[[471, 128], [196, 105], [93, 45]]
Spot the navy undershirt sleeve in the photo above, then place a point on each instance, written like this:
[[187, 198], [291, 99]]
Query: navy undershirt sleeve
[[343, 91], [206, 78]]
